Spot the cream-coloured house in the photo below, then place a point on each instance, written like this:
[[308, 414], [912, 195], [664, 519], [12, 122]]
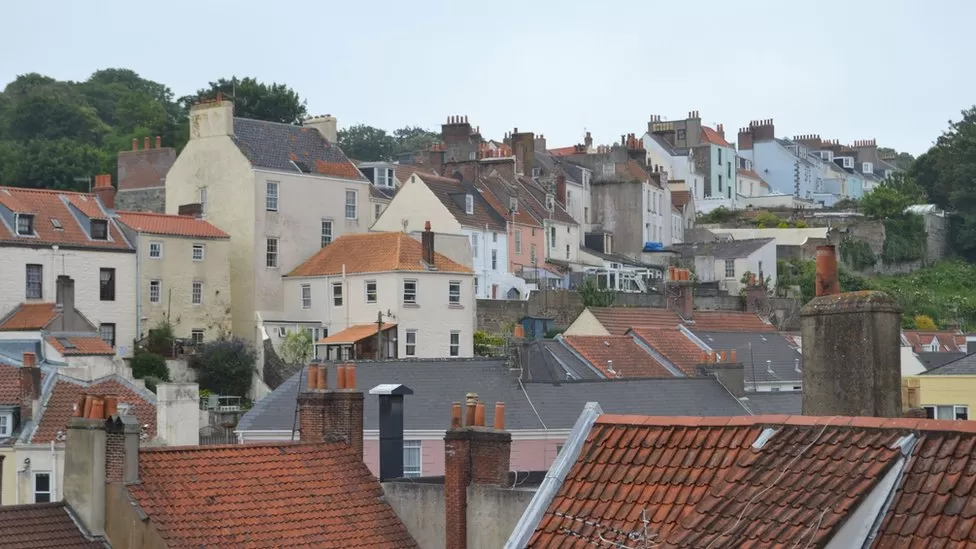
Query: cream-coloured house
[[282, 192], [424, 300], [184, 274], [46, 234]]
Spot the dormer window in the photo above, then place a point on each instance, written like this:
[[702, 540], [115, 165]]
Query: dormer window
[[827, 155], [513, 204], [384, 177], [535, 172], [99, 229], [609, 169], [867, 167], [468, 204], [25, 224], [848, 162]]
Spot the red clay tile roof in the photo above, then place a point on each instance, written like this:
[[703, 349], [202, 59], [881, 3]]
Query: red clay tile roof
[[629, 359], [948, 340], [354, 333], [373, 253], [680, 198], [729, 321], [9, 384], [42, 526], [83, 345], [711, 136], [701, 482], [563, 151], [29, 316], [48, 205], [748, 173], [170, 225], [402, 172], [617, 320], [633, 170], [268, 495], [59, 406], [673, 345]]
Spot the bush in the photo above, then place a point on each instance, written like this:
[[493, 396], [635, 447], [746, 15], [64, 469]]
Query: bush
[[146, 364], [486, 344], [767, 219], [801, 224], [225, 366], [593, 296], [925, 322], [857, 253], [718, 215], [905, 239], [783, 225], [160, 339], [151, 382]]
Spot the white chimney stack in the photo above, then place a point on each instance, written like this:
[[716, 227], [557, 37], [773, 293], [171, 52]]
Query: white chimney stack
[[326, 125], [177, 413]]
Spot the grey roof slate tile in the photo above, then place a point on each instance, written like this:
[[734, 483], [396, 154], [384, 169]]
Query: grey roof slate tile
[[722, 249], [965, 366], [769, 346], [275, 146], [936, 359], [776, 403]]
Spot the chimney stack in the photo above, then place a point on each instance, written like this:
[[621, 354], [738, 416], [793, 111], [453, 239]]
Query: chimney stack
[[588, 141], [65, 294], [330, 415], [30, 387], [326, 125], [178, 413], [683, 300], [190, 210], [851, 349], [561, 189], [427, 243], [211, 119], [970, 345], [104, 190], [474, 454], [391, 428]]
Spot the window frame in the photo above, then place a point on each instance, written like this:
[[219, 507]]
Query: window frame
[[413, 445], [474, 245], [271, 198], [39, 283], [469, 204], [729, 263], [354, 195], [494, 259], [159, 291], [413, 293], [552, 236], [49, 493], [106, 288], [306, 299], [196, 292], [6, 424], [100, 223], [407, 345], [115, 332], [454, 297], [270, 257], [454, 348], [518, 241], [193, 336], [203, 196], [375, 292], [29, 218], [193, 252], [337, 298], [327, 223], [159, 249]]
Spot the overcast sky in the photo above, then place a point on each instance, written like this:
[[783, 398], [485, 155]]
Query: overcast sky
[[893, 70]]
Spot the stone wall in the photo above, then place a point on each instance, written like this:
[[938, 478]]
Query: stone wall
[[142, 200]]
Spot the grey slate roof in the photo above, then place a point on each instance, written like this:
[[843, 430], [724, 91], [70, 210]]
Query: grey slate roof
[[274, 146], [769, 346], [439, 383], [777, 402], [965, 366], [722, 249], [935, 359], [546, 361]]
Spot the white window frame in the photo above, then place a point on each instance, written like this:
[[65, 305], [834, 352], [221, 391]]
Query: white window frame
[[282, 332], [867, 167], [6, 425], [193, 336], [729, 263], [494, 259], [410, 297], [469, 204], [371, 297], [115, 333], [271, 196], [200, 248], [474, 245], [385, 177], [352, 201], [377, 211], [609, 169], [196, 293], [413, 446], [156, 245], [454, 292], [410, 347], [271, 255], [337, 298], [159, 291], [552, 236], [848, 162], [956, 409], [29, 218], [327, 232], [34, 280], [306, 296], [518, 241], [50, 486], [454, 344]]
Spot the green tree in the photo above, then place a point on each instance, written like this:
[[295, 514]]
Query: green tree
[[52, 110], [594, 296], [49, 164], [414, 138], [253, 99], [225, 366], [146, 364], [297, 348], [884, 202], [366, 143]]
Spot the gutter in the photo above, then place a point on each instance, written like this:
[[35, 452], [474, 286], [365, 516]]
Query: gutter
[[554, 478]]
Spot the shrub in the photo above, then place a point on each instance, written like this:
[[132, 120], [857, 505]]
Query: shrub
[[718, 215], [160, 339], [225, 366], [905, 239], [801, 224], [593, 296], [925, 322], [767, 219], [857, 253], [783, 225], [146, 364], [297, 348], [486, 344]]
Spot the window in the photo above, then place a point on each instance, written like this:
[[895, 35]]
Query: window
[[351, 205], [609, 169], [513, 204], [720, 183], [326, 232], [196, 295], [106, 279], [203, 201], [650, 201], [848, 162], [384, 177], [867, 167], [681, 134], [760, 267], [947, 412], [35, 281], [6, 424], [719, 157], [536, 172], [198, 252], [379, 210], [410, 292], [42, 487], [370, 291], [474, 246], [455, 348], [552, 237], [155, 291], [155, 250], [306, 296], [107, 331], [56, 223], [468, 204], [337, 294], [454, 292], [494, 237], [494, 260], [567, 251], [271, 254], [271, 196], [410, 343], [729, 268], [586, 214], [25, 224], [411, 458], [476, 287], [282, 332], [518, 241], [99, 229]]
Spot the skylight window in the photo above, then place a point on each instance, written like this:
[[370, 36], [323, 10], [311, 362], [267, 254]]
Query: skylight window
[[56, 223]]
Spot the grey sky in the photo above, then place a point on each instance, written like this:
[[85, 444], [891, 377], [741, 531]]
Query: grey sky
[[892, 70]]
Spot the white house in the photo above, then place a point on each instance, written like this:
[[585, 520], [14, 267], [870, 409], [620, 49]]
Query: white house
[[282, 192], [384, 295], [727, 261], [45, 234], [457, 208]]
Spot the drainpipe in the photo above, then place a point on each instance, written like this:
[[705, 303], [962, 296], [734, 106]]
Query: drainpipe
[[138, 289], [54, 474]]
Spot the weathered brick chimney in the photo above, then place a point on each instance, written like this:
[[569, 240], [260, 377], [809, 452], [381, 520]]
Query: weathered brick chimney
[[561, 189], [142, 177], [427, 243], [474, 454], [851, 349], [331, 415], [523, 143], [30, 387], [212, 118], [681, 292], [104, 190]]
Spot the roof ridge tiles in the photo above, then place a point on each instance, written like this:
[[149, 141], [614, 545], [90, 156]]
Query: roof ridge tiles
[[908, 424]]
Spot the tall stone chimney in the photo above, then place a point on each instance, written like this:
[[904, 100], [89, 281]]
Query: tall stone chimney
[[212, 119], [474, 454], [178, 413], [325, 125], [851, 349], [30, 387], [561, 189], [523, 143], [104, 190], [427, 243], [331, 415]]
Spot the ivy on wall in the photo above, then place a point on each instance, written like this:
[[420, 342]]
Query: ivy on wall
[[905, 239], [857, 253]]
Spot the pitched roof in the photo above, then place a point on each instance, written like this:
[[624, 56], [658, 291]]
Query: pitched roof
[[451, 194], [59, 405], [9, 384], [965, 366], [283, 146], [949, 340], [498, 192], [354, 333], [708, 135], [535, 199], [44, 526], [255, 496], [748, 173], [680, 198], [932, 360], [729, 321], [766, 481], [552, 361], [673, 346], [629, 359], [563, 151], [617, 320], [170, 225], [29, 316], [79, 345], [72, 212], [759, 352], [722, 249], [373, 253]]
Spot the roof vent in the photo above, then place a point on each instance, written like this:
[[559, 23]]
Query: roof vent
[[763, 438], [769, 367]]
